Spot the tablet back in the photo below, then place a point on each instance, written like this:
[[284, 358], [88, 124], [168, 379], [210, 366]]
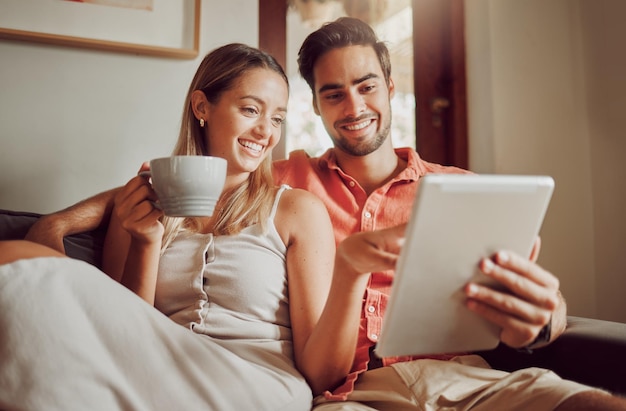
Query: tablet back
[[456, 221]]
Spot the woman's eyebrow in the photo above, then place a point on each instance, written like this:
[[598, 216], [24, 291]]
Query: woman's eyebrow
[[261, 101]]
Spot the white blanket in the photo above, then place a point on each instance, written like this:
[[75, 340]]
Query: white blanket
[[73, 339]]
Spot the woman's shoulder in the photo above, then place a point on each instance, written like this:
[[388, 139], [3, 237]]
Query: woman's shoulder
[[301, 214], [296, 198], [300, 210]]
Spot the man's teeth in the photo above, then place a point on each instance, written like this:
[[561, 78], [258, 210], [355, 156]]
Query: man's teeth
[[359, 126], [252, 146]]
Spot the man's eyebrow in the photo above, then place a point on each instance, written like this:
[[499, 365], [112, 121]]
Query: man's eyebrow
[[334, 86], [365, 78]]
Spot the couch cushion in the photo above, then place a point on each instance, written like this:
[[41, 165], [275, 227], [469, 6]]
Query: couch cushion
[[15, 224], [85, 246]]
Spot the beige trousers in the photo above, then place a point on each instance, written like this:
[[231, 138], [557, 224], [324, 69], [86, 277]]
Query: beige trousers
[[463, 383]]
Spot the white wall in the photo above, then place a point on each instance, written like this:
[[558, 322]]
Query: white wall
[[605, 68], [74, 122], [547, 96]]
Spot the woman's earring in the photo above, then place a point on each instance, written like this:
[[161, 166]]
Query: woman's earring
[[201, 122]]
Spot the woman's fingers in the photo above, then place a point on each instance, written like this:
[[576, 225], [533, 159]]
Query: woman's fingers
[[370, 251], [135, 209]]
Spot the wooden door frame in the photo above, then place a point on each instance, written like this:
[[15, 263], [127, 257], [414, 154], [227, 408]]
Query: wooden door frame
[[439, 71], [273, 39], [273, 29]]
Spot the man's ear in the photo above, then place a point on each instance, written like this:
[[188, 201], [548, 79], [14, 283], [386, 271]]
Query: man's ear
[[314, 103], [199, 105], [392, 88]]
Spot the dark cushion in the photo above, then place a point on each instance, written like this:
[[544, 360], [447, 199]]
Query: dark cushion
[[15, 224], [590, 351], [84, 246]]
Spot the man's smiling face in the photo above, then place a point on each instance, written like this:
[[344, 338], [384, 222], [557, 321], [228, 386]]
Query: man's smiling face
[[353, 99]]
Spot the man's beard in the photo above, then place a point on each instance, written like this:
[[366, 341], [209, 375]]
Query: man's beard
[[364, 148]]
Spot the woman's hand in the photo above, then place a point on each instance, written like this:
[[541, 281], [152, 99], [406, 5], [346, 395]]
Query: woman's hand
[[325, 361], [134, 207], [371, 251], [132, 246]]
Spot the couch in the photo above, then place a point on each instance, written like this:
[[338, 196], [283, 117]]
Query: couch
[[590, 351]]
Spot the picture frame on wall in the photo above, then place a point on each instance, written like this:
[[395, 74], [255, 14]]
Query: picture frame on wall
[[163, 28]]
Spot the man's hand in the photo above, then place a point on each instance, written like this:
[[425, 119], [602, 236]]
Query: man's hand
[[83, 216], [48, 230], [533, 299]]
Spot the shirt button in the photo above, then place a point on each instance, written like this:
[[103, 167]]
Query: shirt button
[[368, 214], [351, 183], [374, 337], [371, 308]]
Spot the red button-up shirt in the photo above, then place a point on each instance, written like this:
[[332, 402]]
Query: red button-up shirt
[[352, 210]]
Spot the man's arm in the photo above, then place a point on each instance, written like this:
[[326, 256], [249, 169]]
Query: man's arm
[[85, 215]]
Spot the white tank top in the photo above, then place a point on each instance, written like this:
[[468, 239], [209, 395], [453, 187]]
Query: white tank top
[[227, 286]]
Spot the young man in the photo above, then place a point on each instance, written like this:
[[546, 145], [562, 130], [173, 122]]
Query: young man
[[367, 185]]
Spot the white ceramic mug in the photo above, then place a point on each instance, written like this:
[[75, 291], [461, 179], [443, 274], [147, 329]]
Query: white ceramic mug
[[188, 186]]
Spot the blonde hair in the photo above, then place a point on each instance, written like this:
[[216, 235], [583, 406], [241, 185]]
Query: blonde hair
[[250, 202]]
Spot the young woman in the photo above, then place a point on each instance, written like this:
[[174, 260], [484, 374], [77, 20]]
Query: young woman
[[248, 285], [254, 275]]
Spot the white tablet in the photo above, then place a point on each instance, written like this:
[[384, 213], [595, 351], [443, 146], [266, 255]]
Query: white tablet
[[457, 220]]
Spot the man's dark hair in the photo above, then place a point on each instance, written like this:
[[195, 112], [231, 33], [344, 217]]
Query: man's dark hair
[[343, 32]]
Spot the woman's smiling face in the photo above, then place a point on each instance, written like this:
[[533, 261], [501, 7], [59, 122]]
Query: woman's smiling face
[[245, 124]]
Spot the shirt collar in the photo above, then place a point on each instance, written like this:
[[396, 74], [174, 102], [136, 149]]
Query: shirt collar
[[413, 171]]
